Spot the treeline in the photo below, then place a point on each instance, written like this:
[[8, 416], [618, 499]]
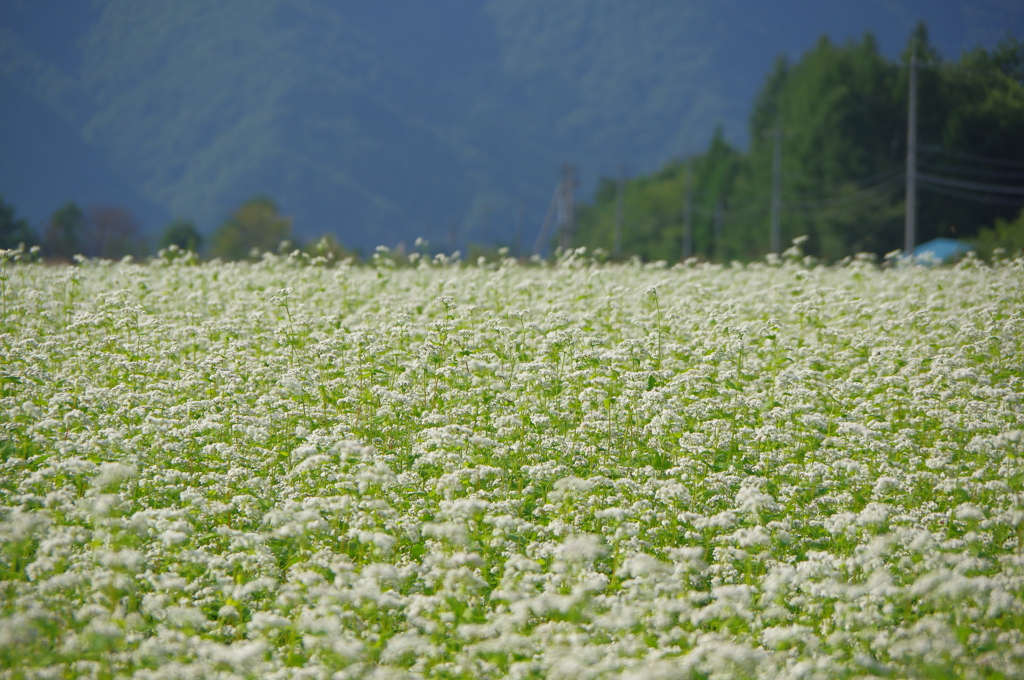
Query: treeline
[[840, 117], [100, 231], [111, 232]]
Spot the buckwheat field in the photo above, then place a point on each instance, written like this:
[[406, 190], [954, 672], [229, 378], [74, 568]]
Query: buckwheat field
[[295, 469]]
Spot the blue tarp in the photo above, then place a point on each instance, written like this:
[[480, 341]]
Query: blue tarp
[[943, 249]]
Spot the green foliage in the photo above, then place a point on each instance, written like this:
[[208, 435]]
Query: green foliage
[[255, 225], [63, 234], [182, 233], [653, 206], [237, 470], [197, 101], [980, 111], [842, 110], [329, 248], [1005, 234], [14, 230], [113, 233]]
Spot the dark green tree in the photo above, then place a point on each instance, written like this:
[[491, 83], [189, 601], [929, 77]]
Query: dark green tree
[[653, 207], [842, 112], [842, 116], [113, 233], [182, 233], [981, 100], [14, 230], [64, 233], [1005, 234], [256, 224]]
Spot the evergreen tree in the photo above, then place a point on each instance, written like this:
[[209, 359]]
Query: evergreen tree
[[63, 234], [14, 231], [256, 224], [842, 112], [653, 209], [113, 233], [181, 233]]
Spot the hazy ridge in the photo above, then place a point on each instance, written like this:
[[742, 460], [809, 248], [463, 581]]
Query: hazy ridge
[[384, 122]]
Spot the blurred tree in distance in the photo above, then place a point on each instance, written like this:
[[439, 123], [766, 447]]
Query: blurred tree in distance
[[1005, 234], [63, 234], [328, 247], [113, 233], [182, 233], [841, 116], [14, 231], [256, 224]]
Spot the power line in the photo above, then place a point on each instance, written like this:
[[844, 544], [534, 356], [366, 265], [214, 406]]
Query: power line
[[865, 181], [733, 212], [982, 172], [811, 204], [982, 187], [934, 148], [852, 197], [994, 70], [969, 195]]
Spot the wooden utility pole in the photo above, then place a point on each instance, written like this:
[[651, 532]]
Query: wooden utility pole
[[568, 207], [717, 227], [563, 209], [620, 200], [538, 245], [688, 210], [911, 198], [518, 243], [776, 235]]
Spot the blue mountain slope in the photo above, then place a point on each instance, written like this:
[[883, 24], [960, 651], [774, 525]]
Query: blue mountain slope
[[46, 163], [387, 120]]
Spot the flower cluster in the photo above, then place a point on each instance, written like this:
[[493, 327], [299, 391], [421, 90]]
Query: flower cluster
[[570, 469]]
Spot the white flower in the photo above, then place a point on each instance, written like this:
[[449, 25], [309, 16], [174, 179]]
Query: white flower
[[581, 548], [873, 514], [111, 474], [969, 512]]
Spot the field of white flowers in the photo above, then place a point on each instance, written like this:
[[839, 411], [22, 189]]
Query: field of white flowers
[[283, 469]]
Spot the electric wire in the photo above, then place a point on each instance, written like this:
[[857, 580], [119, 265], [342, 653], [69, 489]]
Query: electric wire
[[934, 148], [969, 195], [982, 172], [732, 213], [852, 197], [868, 180], [982, 187]]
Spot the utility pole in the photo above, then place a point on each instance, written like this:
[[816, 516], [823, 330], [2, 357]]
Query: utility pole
[[688, 210], [911, 198], [556, 197], [717, 227], [568, 206], [620, 200], [518, 243], [776, 238], [563, 209]]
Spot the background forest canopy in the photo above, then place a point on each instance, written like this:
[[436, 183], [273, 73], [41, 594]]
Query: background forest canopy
[[841, 112], [840, 116]]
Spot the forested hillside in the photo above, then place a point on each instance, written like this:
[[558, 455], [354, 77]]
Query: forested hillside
[[445, 120], [839, 114]]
